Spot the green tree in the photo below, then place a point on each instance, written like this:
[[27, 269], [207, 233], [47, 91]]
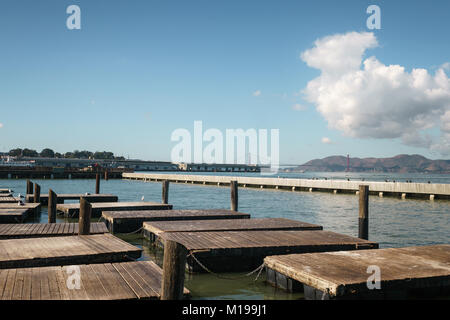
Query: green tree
[[15, 152], [47, 153]]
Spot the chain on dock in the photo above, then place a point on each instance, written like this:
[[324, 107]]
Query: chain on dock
[[260, 268]]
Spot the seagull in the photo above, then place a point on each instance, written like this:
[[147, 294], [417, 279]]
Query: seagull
[[142, 198]]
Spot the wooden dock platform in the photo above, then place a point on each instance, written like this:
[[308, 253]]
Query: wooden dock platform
[[75, 196], [8, 198], [73, 209], [404, 272], [51, 251], [154, 229], [14, 213], [109, 281], [35, 230], [3, 190], [129, 221], [229, 251], [17, 215]]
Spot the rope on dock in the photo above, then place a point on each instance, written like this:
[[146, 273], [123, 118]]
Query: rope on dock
[[260, 268]]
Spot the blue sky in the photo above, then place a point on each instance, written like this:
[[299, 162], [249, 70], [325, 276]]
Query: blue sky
[[138, 70]]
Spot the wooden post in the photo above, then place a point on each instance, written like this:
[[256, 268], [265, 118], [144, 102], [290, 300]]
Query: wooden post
[[52, 200], [97, 183], [85, 217], [363, 230], [234, 195], [174, 265], [106, 175], [37, 193], [29, 187], [165, 191]]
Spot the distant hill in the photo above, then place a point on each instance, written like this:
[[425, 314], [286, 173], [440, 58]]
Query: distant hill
[[401, 163]]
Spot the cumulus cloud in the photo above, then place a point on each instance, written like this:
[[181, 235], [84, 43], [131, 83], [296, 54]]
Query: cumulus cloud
[[365, 98], [326, 140], [257, 93]]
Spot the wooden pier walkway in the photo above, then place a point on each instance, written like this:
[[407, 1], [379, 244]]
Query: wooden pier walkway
[[404, 272], [404, 190], [3, 191], [73, 209], [109, 281], [154, 229], [226, 251], [35, 230], [75, 196], [129, 221], [51, 251], [14, 213]]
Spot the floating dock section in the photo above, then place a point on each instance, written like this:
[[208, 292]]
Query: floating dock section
[[409, 272], [109, 281], [403, 190], [130, 221], [154, 229], [233, 251], [72, 210], [51, 251], [75, 196], [36, 230], [14, 213]]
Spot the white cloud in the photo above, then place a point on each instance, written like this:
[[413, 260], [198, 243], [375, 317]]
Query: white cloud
[[446, 66], [257, 93], [1, 125], [299, 107], [326, 140], [368, 99]]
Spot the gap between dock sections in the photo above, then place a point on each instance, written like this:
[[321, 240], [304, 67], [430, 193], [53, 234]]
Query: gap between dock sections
[[403, 190]]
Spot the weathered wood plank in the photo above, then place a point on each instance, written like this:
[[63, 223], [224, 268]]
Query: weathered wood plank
[[36, 252], [153, 229], [73, 209], [36, 230], [129, 221], [109, 281], [345, 274], [244, 250]]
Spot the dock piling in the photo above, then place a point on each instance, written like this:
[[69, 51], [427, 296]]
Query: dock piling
[[174, 265], [85, 217], [29, 187], [97, 183], [234, 195], [52, 201], [165, 191], [363, 230], [37, 193]]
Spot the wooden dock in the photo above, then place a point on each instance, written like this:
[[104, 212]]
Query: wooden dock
[[404, 272], [109, 281], [35, 230], [73, 209], [14, 213], [51, 251], [75, 196], [3, 190], [227, 251], [17, 215], [5, 198], [129, 221], [154, 229]]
